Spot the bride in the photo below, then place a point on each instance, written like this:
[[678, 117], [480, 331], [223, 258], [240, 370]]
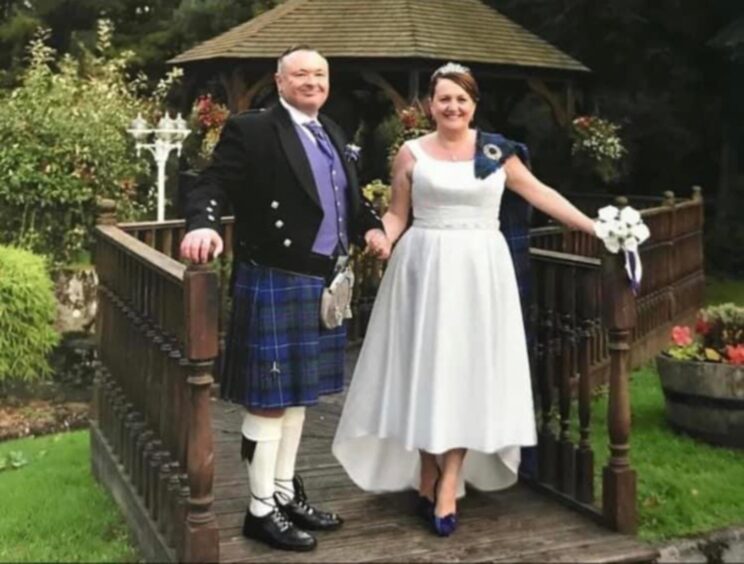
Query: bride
[[441, 392]]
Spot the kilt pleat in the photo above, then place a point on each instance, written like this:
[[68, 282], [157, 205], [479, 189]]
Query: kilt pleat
[[277, 354]]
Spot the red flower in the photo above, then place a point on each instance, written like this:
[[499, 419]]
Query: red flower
[[735, 354], [681, 336], [702, 327]]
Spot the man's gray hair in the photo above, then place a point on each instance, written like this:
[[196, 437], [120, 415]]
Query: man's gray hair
[[293, 48]]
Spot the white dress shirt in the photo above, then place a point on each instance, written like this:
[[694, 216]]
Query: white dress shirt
[[300, 118]]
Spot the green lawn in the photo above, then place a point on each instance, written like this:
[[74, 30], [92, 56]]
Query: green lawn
[[684, 486], [53, 510], [723, 290]]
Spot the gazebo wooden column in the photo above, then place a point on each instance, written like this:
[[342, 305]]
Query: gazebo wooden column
[[239, 89], [562, 105]]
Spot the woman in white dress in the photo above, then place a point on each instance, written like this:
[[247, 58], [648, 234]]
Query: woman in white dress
[[443, 370]]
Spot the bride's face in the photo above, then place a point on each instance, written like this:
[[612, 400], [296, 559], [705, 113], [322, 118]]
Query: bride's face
[[451, 106]]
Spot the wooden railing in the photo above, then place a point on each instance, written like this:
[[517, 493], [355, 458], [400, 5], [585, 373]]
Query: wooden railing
[[673, 278], [161, 326], [151, 425], [582, 314]]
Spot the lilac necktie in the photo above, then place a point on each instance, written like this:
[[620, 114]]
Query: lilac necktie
[[324, 144]]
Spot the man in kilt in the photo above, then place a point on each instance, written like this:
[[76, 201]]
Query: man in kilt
[[297, 207]]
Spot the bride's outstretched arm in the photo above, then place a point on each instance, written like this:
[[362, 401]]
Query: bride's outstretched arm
[[523, 182], [396, 217]]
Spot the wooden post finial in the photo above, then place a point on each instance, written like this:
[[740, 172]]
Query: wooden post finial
[[668, 198], [697, 193], [105, 211], [621, 201]]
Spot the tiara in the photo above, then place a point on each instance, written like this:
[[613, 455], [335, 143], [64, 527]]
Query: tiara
[[452, 68]]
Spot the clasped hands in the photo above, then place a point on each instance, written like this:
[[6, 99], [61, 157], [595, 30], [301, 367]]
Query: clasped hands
[[378, 244]]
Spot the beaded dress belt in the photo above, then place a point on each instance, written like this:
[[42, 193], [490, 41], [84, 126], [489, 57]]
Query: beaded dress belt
[[485, 223]]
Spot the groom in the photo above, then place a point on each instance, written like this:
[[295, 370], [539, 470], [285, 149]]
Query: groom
[[297, 207]]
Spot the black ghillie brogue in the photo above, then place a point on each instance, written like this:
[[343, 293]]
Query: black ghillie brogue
[[276, 530], [302, 514]]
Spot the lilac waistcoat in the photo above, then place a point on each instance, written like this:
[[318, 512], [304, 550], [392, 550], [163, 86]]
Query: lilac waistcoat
[[330, 179]]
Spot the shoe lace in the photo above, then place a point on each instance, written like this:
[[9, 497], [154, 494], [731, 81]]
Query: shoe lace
[[277, 515], [281, 520], [300, 497]]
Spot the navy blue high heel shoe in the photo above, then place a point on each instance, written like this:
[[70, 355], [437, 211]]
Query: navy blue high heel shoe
[[443, 526]]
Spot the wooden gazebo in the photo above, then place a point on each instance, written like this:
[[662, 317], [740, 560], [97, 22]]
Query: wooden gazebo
[[388, 47]]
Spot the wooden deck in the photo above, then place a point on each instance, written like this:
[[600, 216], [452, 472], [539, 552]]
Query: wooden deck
[[515, 525]]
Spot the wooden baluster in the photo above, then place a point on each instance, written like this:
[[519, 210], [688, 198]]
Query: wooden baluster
[[137, 427], [174, 485], [619, 479], [186, 413], [546, 441], [587, 313], [155, 382], [671, 254], [166, 244], [161, 491], [201, 304], [143, 448], [181, 514], [167, 429], [152, 448], [567, 470], [180, 405], [158, 458]]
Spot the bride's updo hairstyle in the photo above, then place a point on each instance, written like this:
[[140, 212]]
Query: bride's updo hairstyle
[[458, 74]]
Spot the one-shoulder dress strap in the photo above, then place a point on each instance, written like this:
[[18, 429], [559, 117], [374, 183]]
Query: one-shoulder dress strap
[[414, 145]]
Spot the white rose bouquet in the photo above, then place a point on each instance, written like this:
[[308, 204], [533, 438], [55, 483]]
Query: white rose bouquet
[[623, 230]]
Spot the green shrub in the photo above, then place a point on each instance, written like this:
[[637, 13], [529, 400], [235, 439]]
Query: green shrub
[[63, 142], [27, 309]]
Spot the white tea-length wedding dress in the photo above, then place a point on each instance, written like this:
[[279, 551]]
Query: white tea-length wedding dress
[[444, 362]]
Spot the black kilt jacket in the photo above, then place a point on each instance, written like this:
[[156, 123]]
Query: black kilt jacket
[[259, 165]]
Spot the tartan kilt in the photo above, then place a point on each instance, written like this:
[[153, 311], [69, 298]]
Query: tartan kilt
[[277, 353]]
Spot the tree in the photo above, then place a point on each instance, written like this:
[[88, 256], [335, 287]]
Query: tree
[[155, 30]]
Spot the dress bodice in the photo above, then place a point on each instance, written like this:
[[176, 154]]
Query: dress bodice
[[447, 194]]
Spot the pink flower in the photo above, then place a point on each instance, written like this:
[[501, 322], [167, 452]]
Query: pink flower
[[702, 327], [681, 336], [735, 354]]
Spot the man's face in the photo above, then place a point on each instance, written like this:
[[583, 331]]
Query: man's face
[[303, 81]]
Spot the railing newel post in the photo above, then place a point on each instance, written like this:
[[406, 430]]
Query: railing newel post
[[618, 478], [201, 306]]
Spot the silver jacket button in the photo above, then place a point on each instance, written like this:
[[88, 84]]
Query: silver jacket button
[[210, 217], [212, 202], [274, 204], [279, 223], [287, 242]]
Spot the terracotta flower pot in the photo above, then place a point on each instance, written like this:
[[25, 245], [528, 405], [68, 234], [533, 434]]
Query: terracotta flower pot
[[704, 399]]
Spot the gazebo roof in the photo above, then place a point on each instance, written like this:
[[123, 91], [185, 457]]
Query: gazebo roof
[[465, 31]]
